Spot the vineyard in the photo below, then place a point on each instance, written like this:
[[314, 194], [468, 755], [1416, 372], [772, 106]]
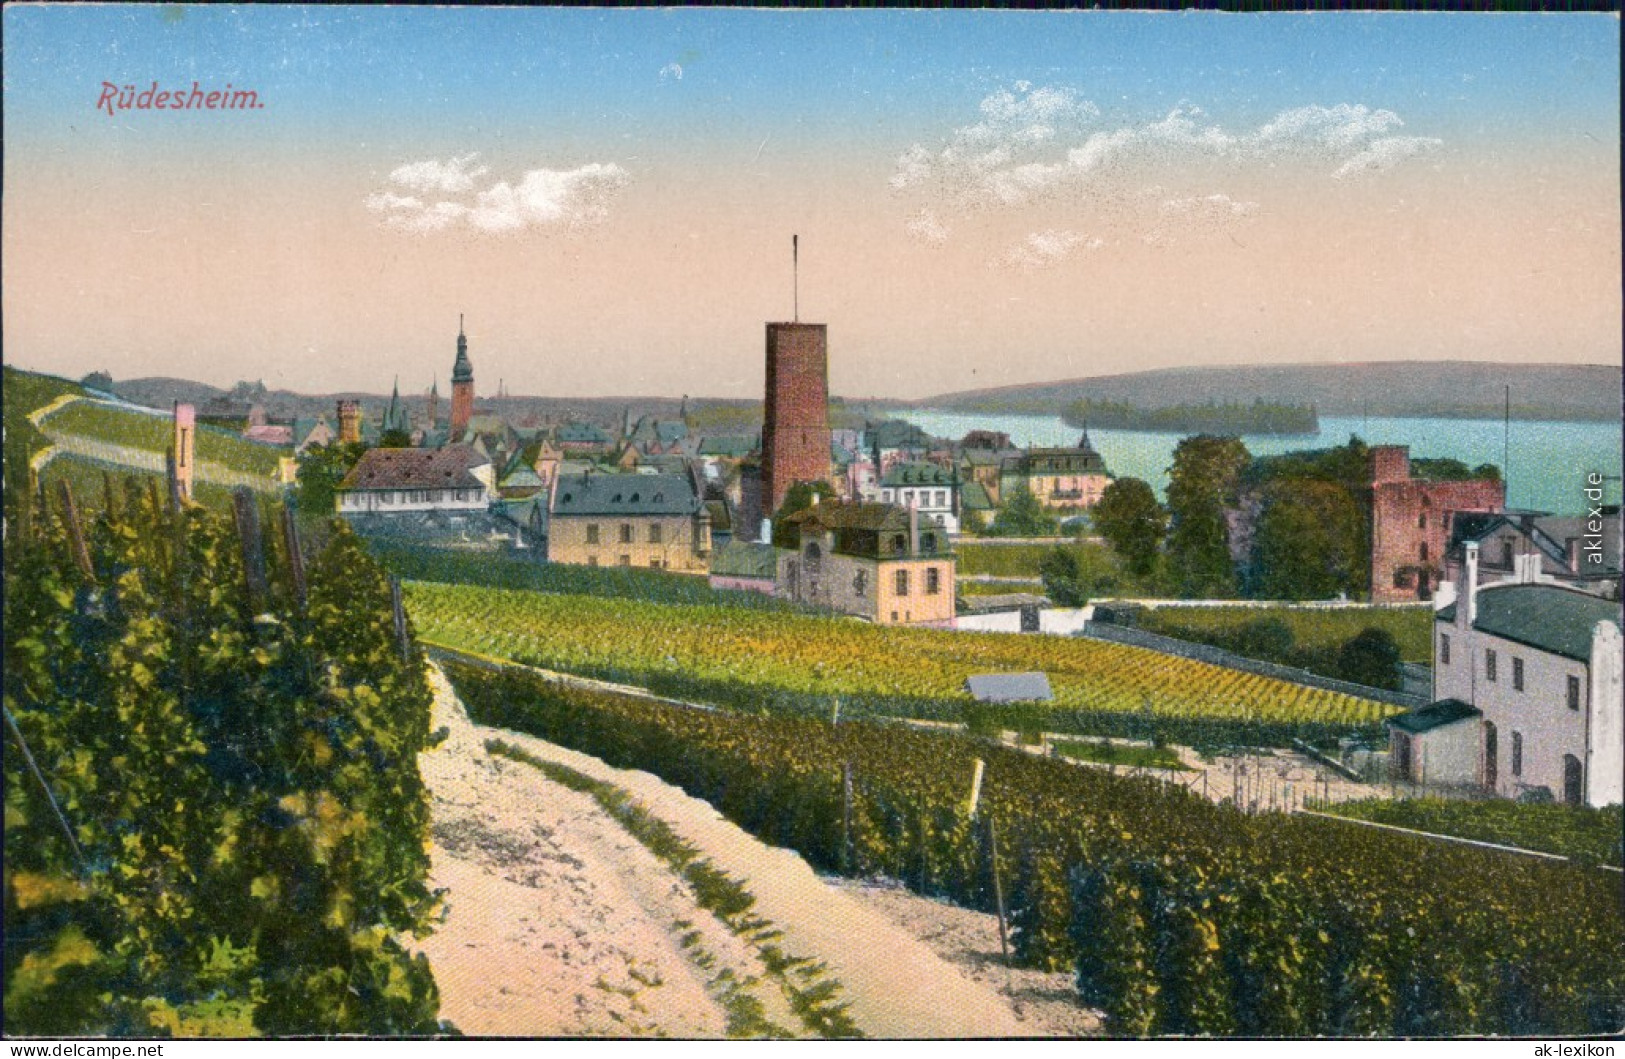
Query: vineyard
[[214, 822], [1321, 629], [1593, 836], [507, 570], [1178, 917], [154, 433], [801, 663]]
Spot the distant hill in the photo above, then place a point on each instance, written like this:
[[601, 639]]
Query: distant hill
[[1446, 389]]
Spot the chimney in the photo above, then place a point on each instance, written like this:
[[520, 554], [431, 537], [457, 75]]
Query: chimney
[[1467, 594], [913, 526], [766, 531]]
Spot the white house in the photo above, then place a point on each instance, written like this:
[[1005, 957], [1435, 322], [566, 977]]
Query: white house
[[1534, 670], [389, 481], [932, 490]]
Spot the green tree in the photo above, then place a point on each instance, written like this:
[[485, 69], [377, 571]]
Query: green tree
[[1132, 522], [1063, 581], [1371, 657], [1201, 483], [395, 439], [1023, 516], [321, 469], [1307, 542]]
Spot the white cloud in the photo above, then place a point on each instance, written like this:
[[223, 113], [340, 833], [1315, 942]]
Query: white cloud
[[1217, 205], [452, 175], [1047, 248], [1385, 154], [540, 198], [1032, 143], [925, 227], [672, 70]]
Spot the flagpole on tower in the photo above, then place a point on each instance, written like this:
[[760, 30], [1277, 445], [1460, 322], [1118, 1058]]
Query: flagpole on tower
[[795, 276]]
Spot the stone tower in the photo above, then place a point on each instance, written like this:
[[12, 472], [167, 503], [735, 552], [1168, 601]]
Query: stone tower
[[462, 386], [795, 425], [349, 422], [182, 456]]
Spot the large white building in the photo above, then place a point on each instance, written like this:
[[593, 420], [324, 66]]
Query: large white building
[[390, 481], [1527, 689]]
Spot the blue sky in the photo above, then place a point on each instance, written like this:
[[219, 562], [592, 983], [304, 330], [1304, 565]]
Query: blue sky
[[620, 183]]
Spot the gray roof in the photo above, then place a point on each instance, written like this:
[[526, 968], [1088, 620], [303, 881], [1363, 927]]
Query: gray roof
[[1009, 687], [625, 494], [1546, 617], [917, 474], [1434, 715]]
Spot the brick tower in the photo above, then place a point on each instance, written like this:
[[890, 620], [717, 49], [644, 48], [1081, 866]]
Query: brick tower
[[349, 422], [462, 386], [795, 426]]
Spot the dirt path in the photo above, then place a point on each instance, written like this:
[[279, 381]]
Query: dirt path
[[560, 923]]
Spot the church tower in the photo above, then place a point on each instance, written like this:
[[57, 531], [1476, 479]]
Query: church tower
[[462, 386]]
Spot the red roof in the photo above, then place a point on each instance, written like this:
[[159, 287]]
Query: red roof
[[447, 468]]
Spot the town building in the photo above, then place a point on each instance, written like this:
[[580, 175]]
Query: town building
[[349, 417], [1580, 552], [1411, 519], [1064, 478], [1528, 676], [878, 561], [746, 566], [656, 521], [393, 481], [462, 386], [932, 489], [795, 426]]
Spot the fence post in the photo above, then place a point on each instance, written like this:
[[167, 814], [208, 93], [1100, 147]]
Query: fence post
[[76, 532], [253, 546], [398, 608], [998, 887], [296, 558], [846, 818]]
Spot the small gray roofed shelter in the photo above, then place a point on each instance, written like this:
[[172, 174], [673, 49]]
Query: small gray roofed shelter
[[1009, 687], [1434, 715]]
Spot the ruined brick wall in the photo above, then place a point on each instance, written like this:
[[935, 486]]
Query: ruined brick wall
[[795, 426], [1410, 529]]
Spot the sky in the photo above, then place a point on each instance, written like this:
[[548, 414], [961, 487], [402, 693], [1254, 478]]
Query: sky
[[981, 198]]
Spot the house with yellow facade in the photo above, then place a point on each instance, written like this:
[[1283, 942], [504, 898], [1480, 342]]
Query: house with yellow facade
[[654, 521], [877, 561]]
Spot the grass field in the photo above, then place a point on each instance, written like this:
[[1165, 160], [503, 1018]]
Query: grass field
[[152, 433], [88, 480], [749, 659], [22, 393], [1314, 629], [1129, 756]]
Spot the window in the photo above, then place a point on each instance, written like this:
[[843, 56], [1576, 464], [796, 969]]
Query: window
[[592, 560], [1506, 553], [1444, 649], [1422, 520], [928, 543], [902, 582], [1424, 551], [1517, 752], [656, 563], [1402, 577], [1489, 666], [942, 499], [933, 581], [654, 533], [899, 544], [887, 495], [626, 533], [592, 533], [626, 560], [1517, 685], [1574, 693], [860, 581]]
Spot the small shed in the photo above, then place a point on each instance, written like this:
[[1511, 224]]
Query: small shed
[[1436, 743], [1009, 687]]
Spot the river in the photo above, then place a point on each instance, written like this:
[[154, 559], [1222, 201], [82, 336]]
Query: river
[[1549, 460]]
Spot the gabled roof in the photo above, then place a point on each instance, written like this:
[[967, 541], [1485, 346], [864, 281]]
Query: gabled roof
[[448, 468], [1434, 715], [972, 497], [625, 494], [1557, 620], [917, 474], [583, 434], [862, 516], [521, 476], [1009, 687]]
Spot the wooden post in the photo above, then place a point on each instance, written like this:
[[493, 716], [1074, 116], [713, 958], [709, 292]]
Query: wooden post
[[998, 886], [296, 558], [253, 546], [976, 787], [835, 714], [846, 818], [398, 607], [76, 532]]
